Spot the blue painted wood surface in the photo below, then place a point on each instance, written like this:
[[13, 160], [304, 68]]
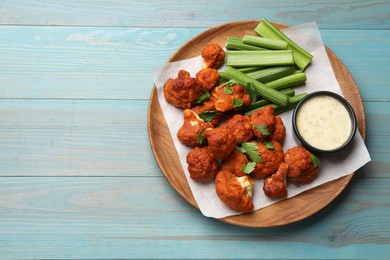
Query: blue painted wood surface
[[77, 176]]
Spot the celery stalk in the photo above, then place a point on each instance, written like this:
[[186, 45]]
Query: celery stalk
[[271, 73], [268, 43], [266, 29], [262, 102], [259, 58], [261, 89], [293, 102], [234, 43], [292, 80], [250, 69]]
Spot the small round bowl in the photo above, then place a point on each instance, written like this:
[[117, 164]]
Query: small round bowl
[[299, 129]]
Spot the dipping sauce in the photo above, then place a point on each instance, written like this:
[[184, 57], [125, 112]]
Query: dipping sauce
[[324, 122]]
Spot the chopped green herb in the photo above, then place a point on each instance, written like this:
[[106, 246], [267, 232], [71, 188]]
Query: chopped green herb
[[199, 139], [315, 160], [262, 129], [269, 145], [249, 167], [240, 149], [228, 90], [251, 151], [231, 83], [237, 103], [203, 97], [250, 89], [208, 116]]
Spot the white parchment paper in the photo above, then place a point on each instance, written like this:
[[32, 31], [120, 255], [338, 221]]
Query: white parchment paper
[[320, 76]]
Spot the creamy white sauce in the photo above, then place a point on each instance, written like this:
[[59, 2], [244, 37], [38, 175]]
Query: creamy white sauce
[[324, 122]]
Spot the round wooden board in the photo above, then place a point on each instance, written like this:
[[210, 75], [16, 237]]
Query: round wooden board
[[284, 212]]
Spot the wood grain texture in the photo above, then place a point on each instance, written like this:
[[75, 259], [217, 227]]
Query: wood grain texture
[[287, 211], [75, 217], [75, 79], [117, 63], [329, 14], [74, 138]]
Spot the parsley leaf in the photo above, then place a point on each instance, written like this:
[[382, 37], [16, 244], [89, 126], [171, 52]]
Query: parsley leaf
[[250, 89], [269, 145], [203, 97], [231, 83], [237, 103], [208, 116], [315, 160], [199, 139], [251, 151], [240, 149], [262, 129], [228, 90], [249, 167]]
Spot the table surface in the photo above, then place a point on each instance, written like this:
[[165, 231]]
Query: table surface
[[78, 178]]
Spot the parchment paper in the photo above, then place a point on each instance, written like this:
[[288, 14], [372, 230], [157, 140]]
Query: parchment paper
[[320, 76]]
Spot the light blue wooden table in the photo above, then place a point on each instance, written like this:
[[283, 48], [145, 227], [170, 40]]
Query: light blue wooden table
[[78, 177]]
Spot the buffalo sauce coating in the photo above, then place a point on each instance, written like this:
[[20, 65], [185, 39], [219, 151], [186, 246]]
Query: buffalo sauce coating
[[324, 122]]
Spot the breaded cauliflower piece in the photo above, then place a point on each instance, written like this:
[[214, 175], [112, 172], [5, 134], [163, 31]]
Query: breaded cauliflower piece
[[279, 132], [229, 98], [235, 192], [213, 55], [300, 164], [209, 106], [220, 141], [240, 127], [263, 121], [201, 165], [208, 78], [192, 127], [183, 91], [271, 159], [275, 186], [234, 162]]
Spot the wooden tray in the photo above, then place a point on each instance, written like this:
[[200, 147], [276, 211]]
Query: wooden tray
[[283, 212]]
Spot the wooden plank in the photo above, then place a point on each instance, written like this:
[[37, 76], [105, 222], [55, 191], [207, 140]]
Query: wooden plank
[[106, 63], [329, 14], [377, 118], [142, 217], [117, 63], [109, 138], [82, 138], [366, 57]]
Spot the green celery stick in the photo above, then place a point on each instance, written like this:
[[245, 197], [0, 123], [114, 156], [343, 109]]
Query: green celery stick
[[268, 43], [302, 57]]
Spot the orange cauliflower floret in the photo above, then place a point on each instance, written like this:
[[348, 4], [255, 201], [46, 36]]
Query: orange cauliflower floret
[[280, 130], [213, 55], [235, 192], [228, 98], [271, 158], [207, 78], [183, 91], [275, 186], [263, 122], [301, 169], [201, 166], [234, 162], [191, 133], [220, 141], [240, 127]]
